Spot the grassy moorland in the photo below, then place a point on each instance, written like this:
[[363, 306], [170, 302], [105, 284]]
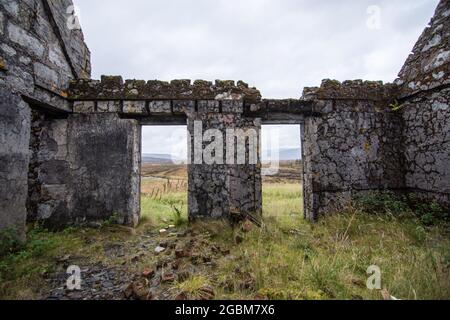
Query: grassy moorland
[[288, 258]]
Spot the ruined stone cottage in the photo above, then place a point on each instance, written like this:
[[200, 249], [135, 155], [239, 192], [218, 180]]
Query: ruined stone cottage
[[70, 145]]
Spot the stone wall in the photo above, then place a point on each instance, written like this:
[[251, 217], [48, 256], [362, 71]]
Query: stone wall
[[84, 136], [39, 54], [78, 176], [425, 110], [216, 189], [227, 187], [427, 67], [14, 141], [104, 167], [427, 145], [357, 143], [354, 146], [48, 174], [38, 57]]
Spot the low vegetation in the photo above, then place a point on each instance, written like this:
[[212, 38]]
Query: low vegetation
[[287, 258], [293, 259]]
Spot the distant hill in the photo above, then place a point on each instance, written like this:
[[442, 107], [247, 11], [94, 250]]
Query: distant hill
[[155, 158], [285, 154]]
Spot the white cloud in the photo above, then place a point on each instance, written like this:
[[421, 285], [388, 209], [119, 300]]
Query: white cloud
[[165, 140]]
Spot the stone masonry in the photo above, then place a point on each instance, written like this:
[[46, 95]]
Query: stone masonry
[[70, 145], [38, 58], [352, 147], [216, 190], [425, 110]]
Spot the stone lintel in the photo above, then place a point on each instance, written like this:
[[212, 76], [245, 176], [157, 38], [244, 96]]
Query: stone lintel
[[143, 108], [48, 101], [288, 106]]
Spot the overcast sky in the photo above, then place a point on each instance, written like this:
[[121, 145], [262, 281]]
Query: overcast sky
[[279, 46]]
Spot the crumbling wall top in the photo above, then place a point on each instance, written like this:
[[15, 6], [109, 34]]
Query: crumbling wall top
[[351, 90], [113, 87]]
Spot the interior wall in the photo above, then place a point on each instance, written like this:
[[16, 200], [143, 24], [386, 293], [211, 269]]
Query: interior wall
[[353, 147], [104, 157], [84, 170]]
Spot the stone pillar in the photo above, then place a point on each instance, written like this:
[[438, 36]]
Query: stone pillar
[[104, 157], [14, 142], [222, 182], [308, 134]]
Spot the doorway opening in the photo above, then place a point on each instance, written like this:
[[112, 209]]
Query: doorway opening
[[281, 156], [164, 181]]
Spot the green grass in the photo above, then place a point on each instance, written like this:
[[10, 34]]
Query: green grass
[[22, 273], [192, 288], [292, 259], [169, 208], [282, 202], [288, 258]]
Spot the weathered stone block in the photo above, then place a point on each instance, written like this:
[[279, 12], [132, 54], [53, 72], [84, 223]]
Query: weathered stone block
[[25, 40], [205, 106], [232, 106], [12, 6], [45, 74], [8, 50], [108, 106], [113, 82], [20, 80], [56, 56], [72, 38], [160, 107], [183, 106], [24, 60], [84, 106], [134, 106]]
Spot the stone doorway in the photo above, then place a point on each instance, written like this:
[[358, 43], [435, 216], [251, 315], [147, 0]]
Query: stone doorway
[[282, 172], [163, 176]]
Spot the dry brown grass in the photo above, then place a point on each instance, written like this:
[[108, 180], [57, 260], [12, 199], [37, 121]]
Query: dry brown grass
[[171, 171], [289, 171], [156, 188]]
